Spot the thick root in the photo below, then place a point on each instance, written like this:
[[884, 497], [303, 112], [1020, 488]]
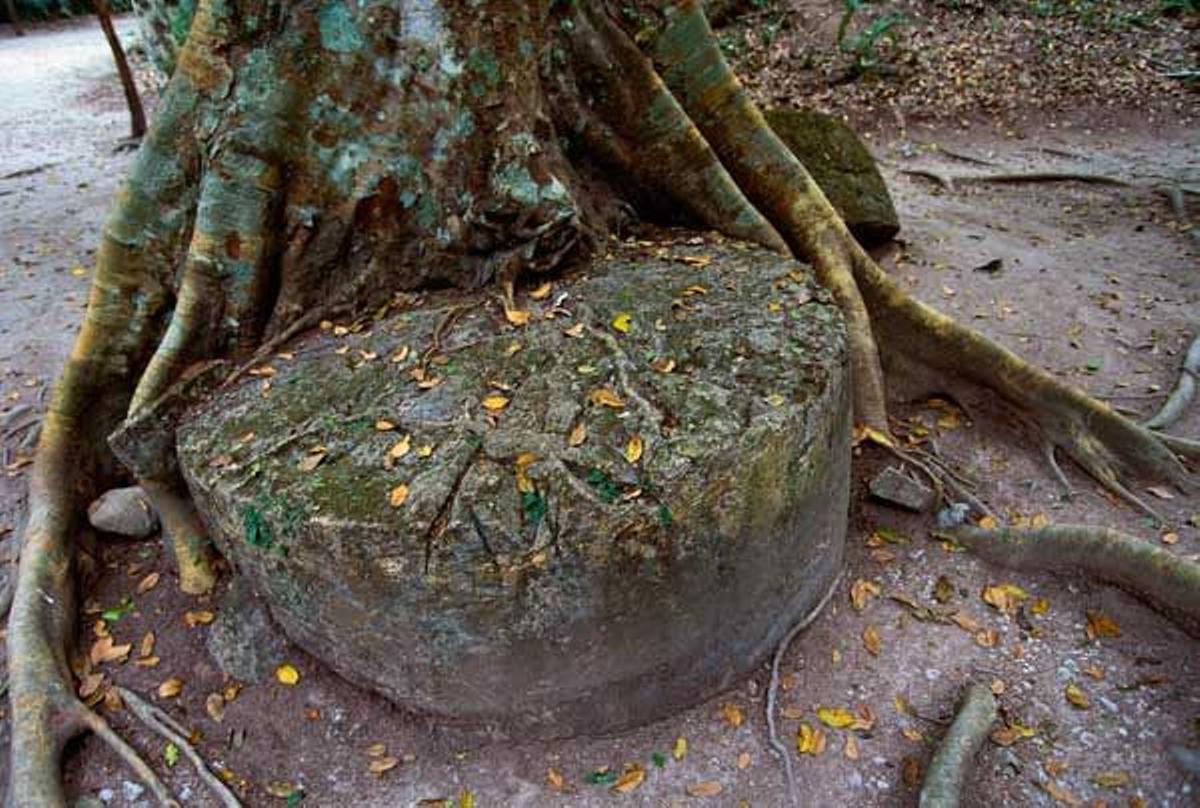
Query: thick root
[[1160, 578], [950, 765], [186, 535], [1183, 393]]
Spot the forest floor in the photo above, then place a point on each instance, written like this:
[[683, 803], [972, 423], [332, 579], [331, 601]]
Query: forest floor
[[1099, 284]]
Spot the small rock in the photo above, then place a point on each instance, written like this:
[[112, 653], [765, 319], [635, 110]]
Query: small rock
[[243, 641], [125, 512], [131, 790], [894, 486], [106, 795], [955, 515]]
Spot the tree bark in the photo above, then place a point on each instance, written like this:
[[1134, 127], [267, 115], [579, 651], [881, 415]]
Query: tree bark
[[137, 116], [11, 7]]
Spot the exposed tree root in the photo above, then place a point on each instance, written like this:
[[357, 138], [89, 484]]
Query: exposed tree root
[[1153, 574], [949, 182], [951, 763], [165, 726], [1183, 393], [778, 746]]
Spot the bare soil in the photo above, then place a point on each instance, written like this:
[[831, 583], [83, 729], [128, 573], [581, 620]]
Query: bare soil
[[1099, 284]]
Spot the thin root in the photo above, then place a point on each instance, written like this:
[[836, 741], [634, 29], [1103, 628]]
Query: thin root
[[948, 770], [1049, 450], [129, 756], [164, 725], [1160, 578], [777, 746]]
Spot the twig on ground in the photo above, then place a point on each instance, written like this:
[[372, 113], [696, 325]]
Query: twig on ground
[[1162, 579], [165, 726], [948, 770], [302, 323], [1185, 390], [777, 746]]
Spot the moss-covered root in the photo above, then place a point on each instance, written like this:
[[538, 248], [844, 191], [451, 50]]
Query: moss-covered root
[[186, 536], [949, 768], [690, 61], [1160, 578]]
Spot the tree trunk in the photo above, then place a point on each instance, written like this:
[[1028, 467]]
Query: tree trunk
[[320, 157], [11, 7], [137, 115]]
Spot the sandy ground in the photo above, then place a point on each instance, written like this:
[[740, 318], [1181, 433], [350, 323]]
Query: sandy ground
[[1098, 284]]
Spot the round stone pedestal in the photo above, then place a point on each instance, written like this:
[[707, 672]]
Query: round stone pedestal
[[577, 526]]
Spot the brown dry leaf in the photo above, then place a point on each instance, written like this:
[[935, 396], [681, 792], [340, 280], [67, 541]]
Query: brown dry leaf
[[965, 622], [988, 638], [575, 331], [851, 750], [605, 397], [1077, 697], [1040, 607], [147, 662], [310, 461], [1059, 793], [214, 705], [105, 650], [902, 705], [517, 317], [555, 780], [383, 764], [398, 496], [90, 685], [872, 641], [1006, 598], [911, 771], [400, 355], [913, 735], [792, 712], [1094, 672], [989, 523], [732, 715], [633, 450], [400, 448], [147, 583], [1112, 779], [231, 691], [709, 788], [861, 592], [578, 435], [663, 365], [1100, 625], [112, 700], [1011, 733], [383, 425], [146, 649], [681, 748], [170, 688], [743, 761], [524, 461], [809, 740], [201, 617], [543, 291], [377, 750], [630, 780]]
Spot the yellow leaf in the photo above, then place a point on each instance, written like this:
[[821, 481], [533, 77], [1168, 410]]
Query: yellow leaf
[[1004, 597], [1040, 606], [524, 461], [776, 400], [835, 717], [383, 425], [623, 322], [864, 434], [513, 349], [681, 748], [555, 780], [872, 641], [287, 674], [861, 592], [1010, 734], [605, 397], [1077, 697], [809, 740], [578, 435], [170, 688], [398, 496], [495, 403], [79, 272], [400, 448], [630, 780], [633, 449], [913, 735], [733, 715], [517, 317], [425, 451], [198, 618], [542, 292], [989, 523], [709, 788], [466, 798], [1101, 625], [1112, 779]]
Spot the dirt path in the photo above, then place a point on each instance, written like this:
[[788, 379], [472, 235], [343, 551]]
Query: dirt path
[[1096, 283]]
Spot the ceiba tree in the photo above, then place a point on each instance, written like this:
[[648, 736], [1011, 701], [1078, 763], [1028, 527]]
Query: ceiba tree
[[311, 156]]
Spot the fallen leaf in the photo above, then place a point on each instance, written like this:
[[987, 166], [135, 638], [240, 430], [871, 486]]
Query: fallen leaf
[[398, 496], [575, 331], [733, 715], [89, 685], [231, 691], [399, 449], [170, 688], [148, 583], [910, 769], [542, 292], [743, 761], [310, 461], [214, 705], [989, 523], [1059, 793], [1011, 733], [605, 397], [943, 589], [1100, 625], [517, 317], [1040, 607], [681, 748], [425, 451], [663, 365], [1006, 598], [1077, 697], [809, 740], [1112, 779], [287, 675], [147, 662], [709, 788], [630, 780], [171, 755], [633, 450], [851, 750], [835, 717], [384, 426], [578, 435], [555, 780], [521, 467], [495, 403], [383, 764], [623, 323], [872, 641], [198, 618], [861, 592], [913, 735], [105, 650], [1161, 492]]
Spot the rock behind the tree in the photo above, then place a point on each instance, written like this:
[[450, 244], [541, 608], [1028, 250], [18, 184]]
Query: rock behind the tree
[[576, 526], [124, 512]]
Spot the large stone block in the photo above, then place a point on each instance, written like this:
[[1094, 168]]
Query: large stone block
[[610, 514]]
